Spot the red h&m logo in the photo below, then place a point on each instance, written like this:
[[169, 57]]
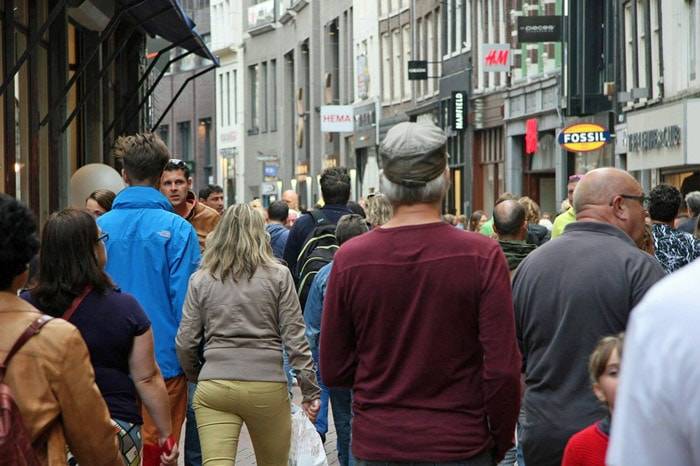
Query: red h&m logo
[[497, 57]]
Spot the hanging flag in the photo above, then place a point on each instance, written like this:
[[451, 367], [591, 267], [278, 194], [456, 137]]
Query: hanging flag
[[531, 136]]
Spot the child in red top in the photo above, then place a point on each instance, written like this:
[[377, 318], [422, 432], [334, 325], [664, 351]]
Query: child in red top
[[588, 447]]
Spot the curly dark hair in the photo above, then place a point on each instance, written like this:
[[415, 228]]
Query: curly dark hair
[[664, 203], [18, 241]]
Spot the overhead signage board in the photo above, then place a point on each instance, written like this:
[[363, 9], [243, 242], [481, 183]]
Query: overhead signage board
[[584, 137], [459, 110], [533, 29], [337, 118], [495, 57], [417, 70]]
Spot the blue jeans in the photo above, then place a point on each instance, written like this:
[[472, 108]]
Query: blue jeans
[[341, 404], [321, 423], [193, 451]]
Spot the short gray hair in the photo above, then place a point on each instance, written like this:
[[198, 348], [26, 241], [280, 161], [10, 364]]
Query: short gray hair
[[692, 200], [433, 191]]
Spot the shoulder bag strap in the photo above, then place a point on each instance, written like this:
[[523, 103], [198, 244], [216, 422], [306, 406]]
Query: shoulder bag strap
[[318, 216], [76, 302], [32, 330]]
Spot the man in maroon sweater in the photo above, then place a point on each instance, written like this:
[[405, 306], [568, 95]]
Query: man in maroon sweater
[[418, 320]]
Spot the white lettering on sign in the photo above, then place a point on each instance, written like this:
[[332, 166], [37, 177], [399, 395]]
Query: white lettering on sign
[[337, 119], [459, 110], [598, 136]]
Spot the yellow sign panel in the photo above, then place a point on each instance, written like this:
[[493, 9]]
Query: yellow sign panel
[[584, 137]]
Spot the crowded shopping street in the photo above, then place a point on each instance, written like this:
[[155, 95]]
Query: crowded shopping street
[[349, 232]]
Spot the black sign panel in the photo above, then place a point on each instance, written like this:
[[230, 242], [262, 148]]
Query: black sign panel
[[458, 115], [539, 29], [417, 70]]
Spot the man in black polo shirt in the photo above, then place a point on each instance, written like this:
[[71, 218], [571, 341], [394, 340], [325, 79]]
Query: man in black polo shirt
[[568, 294], [335, 189]]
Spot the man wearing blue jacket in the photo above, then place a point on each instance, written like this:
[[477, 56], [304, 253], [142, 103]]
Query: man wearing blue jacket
[[151, 253]]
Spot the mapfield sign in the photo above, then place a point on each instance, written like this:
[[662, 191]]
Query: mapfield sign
[[584, 137]]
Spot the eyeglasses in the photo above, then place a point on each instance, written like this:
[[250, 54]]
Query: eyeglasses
[[103, 237], [642, 199]]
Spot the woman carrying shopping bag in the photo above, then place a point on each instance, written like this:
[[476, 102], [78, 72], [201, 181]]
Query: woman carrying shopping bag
[[242, 305]]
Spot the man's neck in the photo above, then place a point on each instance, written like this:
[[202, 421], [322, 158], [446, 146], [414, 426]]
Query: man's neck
[[274, 222], [183, 209], [415, 214]]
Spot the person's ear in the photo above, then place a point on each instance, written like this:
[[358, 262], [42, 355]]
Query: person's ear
[[598, 391], [189, 183], [125, 177]]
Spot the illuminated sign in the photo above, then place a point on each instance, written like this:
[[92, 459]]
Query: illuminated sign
[[584, 137], [496, 57]]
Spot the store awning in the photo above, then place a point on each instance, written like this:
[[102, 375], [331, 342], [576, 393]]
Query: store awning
[[167, 19]]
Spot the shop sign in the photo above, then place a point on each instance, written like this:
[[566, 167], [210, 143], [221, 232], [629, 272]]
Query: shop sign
[[655, 139], [417, 70], [337, 118], [270, 170], [365, 117], [302, 169], [495, 57], [330, 161], [459, 110], [584, 137], [268, 189], [533, 29], [362, 76]]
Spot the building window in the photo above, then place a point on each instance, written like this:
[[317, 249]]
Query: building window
[[184, 140], [204, 135], [386, 68], [396, 52], [642, 43], [222, 97], [228, 98], [263, 89], [692, 38], [254, 93], [235, 98], [406, 94], [450, 23], [273, 95], [164, 134]]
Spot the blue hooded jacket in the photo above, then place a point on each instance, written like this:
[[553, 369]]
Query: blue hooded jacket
[[151, 253]]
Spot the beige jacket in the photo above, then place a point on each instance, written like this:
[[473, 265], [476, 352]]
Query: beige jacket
[[203, 219], [53, 383], [244, 325]]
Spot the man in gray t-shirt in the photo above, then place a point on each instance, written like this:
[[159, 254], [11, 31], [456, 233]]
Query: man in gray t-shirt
[[568, 294]]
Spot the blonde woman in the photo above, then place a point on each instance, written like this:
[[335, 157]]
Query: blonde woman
[[378, 209], [536, 234], [242, 304]]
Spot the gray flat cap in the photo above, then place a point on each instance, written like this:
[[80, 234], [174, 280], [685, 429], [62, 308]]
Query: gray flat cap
[[414, 153]]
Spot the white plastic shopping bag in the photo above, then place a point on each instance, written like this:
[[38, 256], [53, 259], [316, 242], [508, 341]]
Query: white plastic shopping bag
[[307, 448]]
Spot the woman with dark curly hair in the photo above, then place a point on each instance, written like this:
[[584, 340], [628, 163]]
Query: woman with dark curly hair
[[50, 377], [73, 285]]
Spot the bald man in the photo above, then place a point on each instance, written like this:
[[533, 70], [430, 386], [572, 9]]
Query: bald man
[[291, 198], [510, 225], [568, 294]]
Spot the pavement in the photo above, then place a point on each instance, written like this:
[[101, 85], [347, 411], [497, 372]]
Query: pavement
[[246, 455]]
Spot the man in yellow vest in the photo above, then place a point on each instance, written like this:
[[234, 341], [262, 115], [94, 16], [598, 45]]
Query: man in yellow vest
[[570, 215]]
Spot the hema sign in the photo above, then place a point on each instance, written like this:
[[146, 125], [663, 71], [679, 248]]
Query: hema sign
[[337, 118]]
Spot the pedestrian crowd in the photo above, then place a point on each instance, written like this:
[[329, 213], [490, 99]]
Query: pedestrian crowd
[[433, 338]]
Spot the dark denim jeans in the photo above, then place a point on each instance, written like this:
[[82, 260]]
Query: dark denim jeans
[[484, 459], [341, 404], [193, 451]]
